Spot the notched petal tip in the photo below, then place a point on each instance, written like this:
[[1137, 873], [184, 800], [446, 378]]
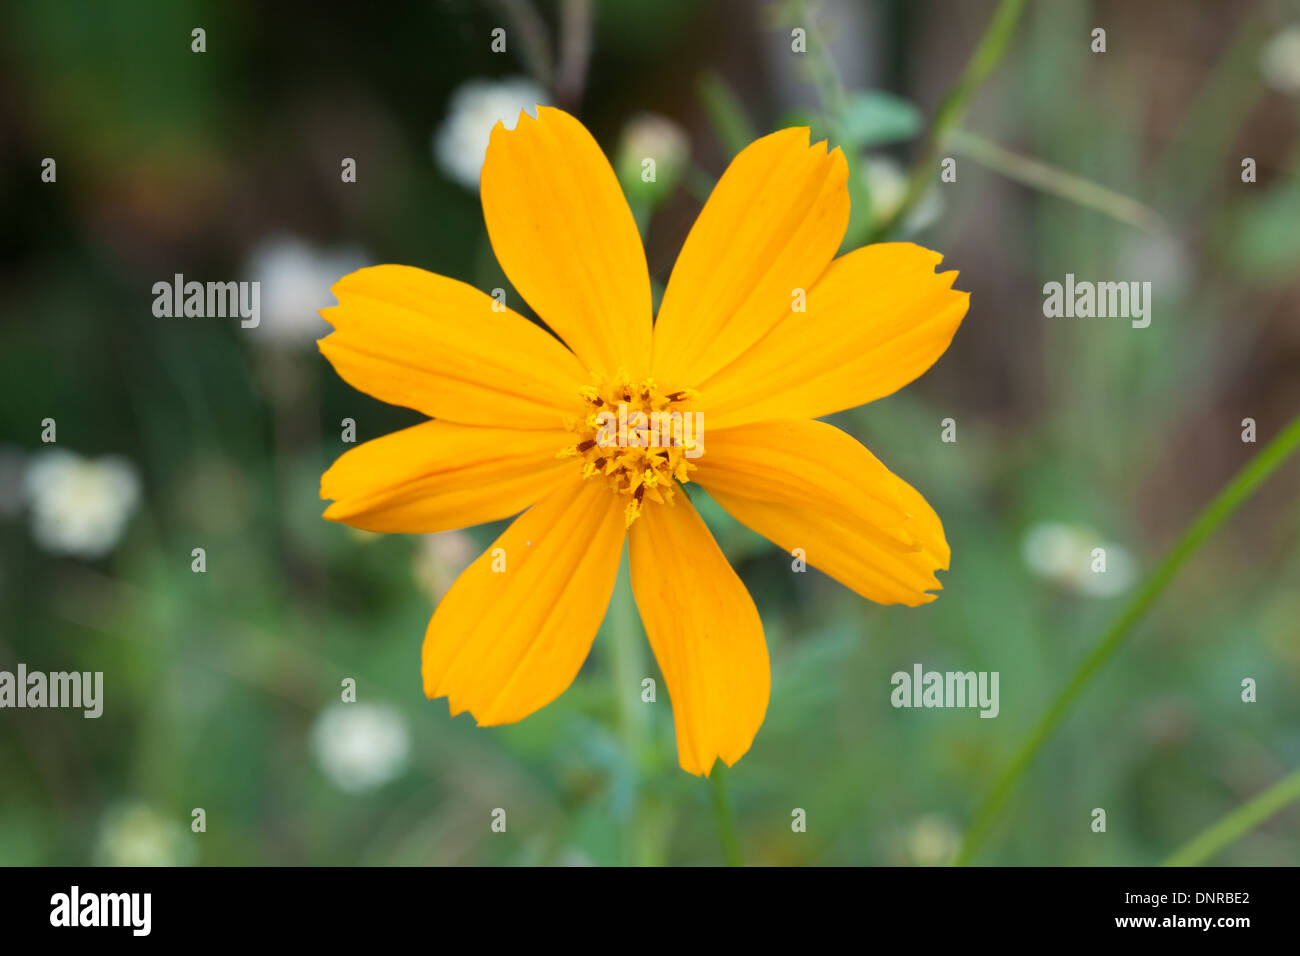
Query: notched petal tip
[[333, 315], [940, 280], [698, 772], [499, 131], [527, 119]]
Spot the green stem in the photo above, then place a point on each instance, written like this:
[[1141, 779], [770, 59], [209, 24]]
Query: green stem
[[1237, 491], [726, 113], [833, 99], [1237, 823], [629, 668], [822, 69], [988, 54], [725, 815], [575, 53], [534, 42], [1058, 182]]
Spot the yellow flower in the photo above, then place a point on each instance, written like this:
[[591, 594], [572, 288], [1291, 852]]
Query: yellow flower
[[516, 421]]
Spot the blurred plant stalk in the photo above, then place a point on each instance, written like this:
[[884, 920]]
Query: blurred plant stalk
[[1049, 179], [988, 54], [1239, 490], [566, 77], [1238, 823], [826, 79], [725, 815], [640, 834]]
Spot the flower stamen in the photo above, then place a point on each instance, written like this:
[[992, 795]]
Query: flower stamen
[[636, 438]]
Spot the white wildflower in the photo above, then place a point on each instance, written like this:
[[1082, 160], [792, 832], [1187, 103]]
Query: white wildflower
[[1280, 61], [360, 746], [1067, 555], [295, 278], [138, 835], [460, 143], [79, 506]]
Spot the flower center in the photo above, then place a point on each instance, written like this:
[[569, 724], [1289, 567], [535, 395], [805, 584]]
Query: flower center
[[636, 438]]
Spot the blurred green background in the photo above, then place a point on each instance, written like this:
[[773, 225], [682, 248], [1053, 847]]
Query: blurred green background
[[222, 689]]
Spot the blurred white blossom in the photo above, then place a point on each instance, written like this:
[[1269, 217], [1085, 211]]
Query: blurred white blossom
[[1280, 60], [1064, 554], [295, 278], [138, 835], [360, 746], [649, 136], [932, 840], [460, 143], [80, 506], [887, 182], [657, 137]]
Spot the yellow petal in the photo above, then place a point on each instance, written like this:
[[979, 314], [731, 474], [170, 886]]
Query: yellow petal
[[504, 643], [410, 337], [772, 225], [564, 235], [439, 476], [706, 635], [877, 319], [805, 484]]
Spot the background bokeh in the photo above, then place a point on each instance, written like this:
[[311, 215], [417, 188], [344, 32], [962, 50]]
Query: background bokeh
[[222, 689]]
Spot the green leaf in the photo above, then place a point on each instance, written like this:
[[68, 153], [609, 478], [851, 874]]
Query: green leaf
[[1263, 242], [874, 118]]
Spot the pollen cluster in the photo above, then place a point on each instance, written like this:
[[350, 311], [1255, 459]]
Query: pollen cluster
[[636, 438]]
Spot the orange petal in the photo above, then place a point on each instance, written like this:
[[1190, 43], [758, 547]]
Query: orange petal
[[706, 635], [877, 319], [410, 337], [771, 226], [439, 476], [564, 235], [805, 484], [504, 643]]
